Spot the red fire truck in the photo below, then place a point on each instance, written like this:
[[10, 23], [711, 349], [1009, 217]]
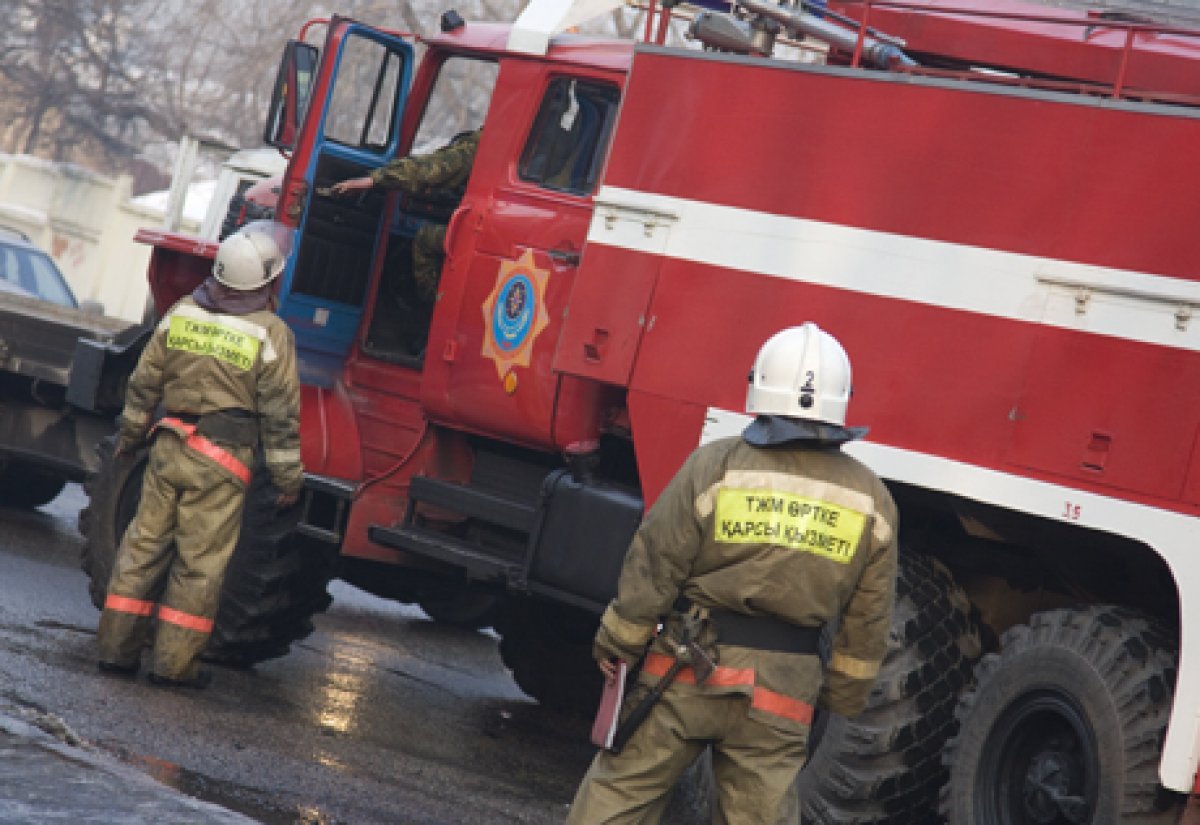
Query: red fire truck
[[988, 204]]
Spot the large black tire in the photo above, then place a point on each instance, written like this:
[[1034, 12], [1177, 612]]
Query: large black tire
[[468, 609], [26, 487], [275, 582], [548, 648], [1065, 725], [884, 766]]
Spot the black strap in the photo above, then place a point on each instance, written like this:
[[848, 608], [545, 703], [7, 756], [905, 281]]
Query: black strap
[[764, 633], [758, 632], [235, 427]]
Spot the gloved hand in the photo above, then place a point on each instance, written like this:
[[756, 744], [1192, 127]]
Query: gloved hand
[[606, 647], [128, 442], [844, 696]]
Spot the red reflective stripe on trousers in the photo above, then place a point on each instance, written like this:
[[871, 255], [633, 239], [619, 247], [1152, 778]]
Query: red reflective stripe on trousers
[[185, 620], [780, 705], [207, 448], [124, 604], [657, 664]]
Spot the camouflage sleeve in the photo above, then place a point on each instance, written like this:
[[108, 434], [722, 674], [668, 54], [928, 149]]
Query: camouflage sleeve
[[442, 167], [861, 641], [659, 560], [144, 390], [278, 398]]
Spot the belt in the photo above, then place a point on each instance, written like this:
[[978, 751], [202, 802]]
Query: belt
[[759, 632], [232, 426], [198, 442], [764, 633]]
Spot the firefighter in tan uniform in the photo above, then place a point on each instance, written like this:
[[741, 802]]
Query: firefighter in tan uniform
[[758, 543], [222, 365], [442, 173]]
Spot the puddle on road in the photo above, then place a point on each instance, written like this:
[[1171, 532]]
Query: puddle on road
[[231, 795]]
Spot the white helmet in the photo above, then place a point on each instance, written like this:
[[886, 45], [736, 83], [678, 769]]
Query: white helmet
[[253, 256], [801, 372]]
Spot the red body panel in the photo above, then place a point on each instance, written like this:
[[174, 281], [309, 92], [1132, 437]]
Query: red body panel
[[1036, 39], [953, 157], [989, 391]]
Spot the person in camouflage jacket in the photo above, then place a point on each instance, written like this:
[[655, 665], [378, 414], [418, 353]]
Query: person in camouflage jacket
[[222, 365], [445, 172], [757, 544]]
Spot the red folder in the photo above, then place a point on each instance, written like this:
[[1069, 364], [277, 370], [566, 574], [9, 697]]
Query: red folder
[[609, 712]]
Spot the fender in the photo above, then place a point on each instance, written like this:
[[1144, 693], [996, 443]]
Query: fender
[[330, 444]]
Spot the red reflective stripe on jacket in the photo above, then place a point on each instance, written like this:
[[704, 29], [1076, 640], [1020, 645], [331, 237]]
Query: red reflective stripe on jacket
[[657, 664], [207, 448], [124, 604], [186, 620]]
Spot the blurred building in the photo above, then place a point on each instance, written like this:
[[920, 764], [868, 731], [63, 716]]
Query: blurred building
[[87, 221]]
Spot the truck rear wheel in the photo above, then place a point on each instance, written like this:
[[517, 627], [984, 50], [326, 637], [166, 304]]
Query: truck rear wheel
[[1065, 725], [884, 766], [275, 582]]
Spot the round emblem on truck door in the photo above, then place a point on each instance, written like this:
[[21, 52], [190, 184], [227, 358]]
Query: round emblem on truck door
[[514, 311], [514, 314]]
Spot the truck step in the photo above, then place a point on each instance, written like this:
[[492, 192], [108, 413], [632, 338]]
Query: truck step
[[474, 502], [476, 562], [325, 508]]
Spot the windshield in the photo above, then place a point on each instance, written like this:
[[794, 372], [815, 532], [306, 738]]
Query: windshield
[[35, 273]]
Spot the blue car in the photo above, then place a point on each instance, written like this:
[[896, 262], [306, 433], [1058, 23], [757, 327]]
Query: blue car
[[27, 270]]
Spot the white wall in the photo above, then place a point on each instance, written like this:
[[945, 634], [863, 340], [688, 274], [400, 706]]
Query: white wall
[[87, 223]]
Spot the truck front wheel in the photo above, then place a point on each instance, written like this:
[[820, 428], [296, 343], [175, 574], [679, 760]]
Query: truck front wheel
[[275, 582], [1065, 725], [24, 486], [548, 648]]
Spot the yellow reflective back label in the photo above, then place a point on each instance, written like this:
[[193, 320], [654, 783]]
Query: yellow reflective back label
[[773, 517], [209, 338]]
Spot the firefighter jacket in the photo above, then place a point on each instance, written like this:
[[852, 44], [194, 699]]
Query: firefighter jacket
[[446, 169], [803, 534], [200, 362]]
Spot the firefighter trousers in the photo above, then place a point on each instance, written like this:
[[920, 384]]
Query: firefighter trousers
[[172, 560], [754, 764]]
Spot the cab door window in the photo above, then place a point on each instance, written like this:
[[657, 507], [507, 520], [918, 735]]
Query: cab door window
[[361, 109], [570, 136]]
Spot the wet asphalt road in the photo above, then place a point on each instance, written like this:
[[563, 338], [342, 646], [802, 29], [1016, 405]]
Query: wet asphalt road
[[380, 716]]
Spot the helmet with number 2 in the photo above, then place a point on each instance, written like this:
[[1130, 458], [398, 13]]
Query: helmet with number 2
[[801, 372], [253, 256]]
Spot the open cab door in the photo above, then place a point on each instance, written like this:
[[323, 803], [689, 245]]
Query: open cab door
[[348, 124]]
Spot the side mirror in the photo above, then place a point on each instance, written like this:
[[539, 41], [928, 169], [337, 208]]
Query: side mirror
[[289, 100]]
